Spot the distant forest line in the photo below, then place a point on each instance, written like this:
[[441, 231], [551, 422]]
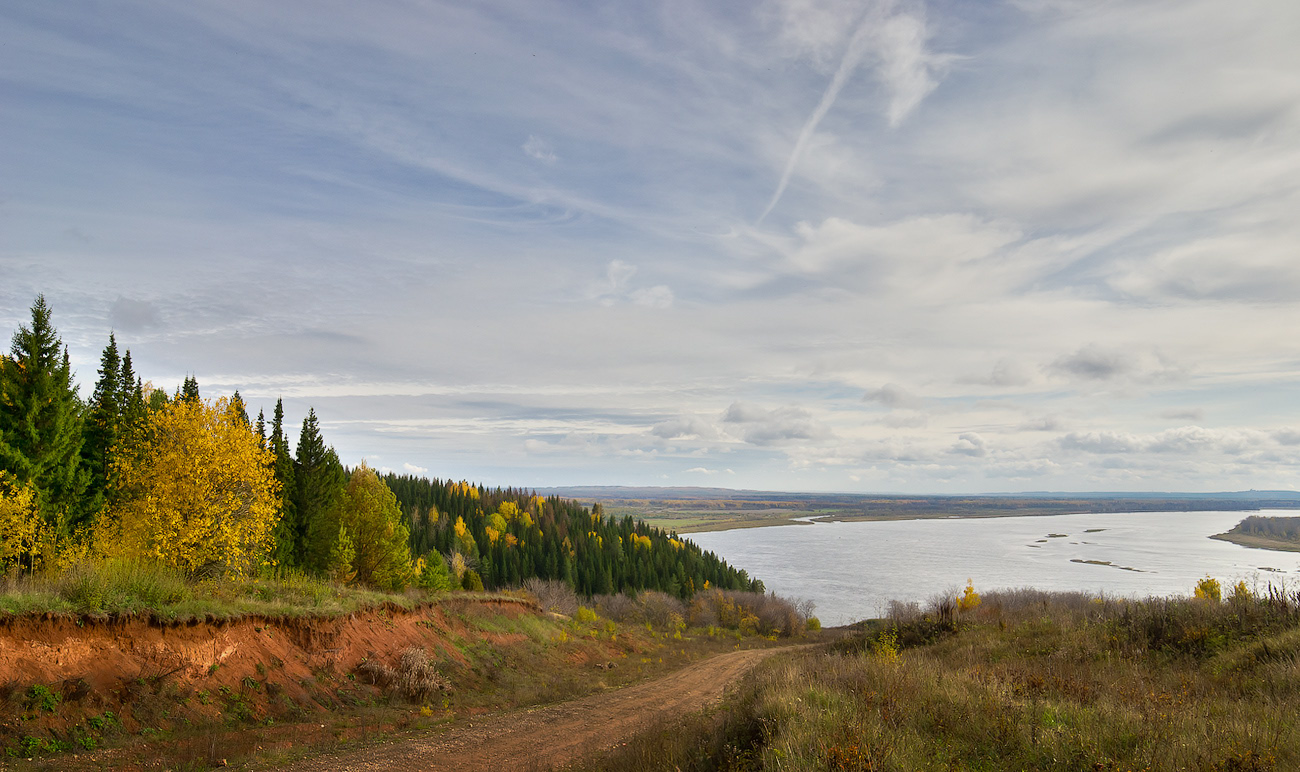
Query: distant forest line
[[687, 510]]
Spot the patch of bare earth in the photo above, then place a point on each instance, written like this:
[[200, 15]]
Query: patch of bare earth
[[546, 737]]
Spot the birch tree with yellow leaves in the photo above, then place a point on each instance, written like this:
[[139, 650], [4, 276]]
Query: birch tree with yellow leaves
[[200, 495], [21, 526]]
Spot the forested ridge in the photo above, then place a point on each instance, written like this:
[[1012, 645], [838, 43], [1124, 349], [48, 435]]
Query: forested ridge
[[515, 534], [138, 474], [1267, 527]]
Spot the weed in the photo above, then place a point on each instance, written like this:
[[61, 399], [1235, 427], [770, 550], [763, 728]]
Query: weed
[[40, 697]]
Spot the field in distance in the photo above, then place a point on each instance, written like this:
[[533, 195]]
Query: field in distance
[[693, 510]]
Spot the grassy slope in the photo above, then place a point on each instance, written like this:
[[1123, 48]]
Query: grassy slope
[[1026, 681], [521, 656]]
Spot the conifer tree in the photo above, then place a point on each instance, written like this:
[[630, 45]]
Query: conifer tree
[[190, 389], [156, 400], [319, 484], [371, 516], [132, 392], [290, 535], [260, 427], [41, 421], [132, 420], [239, 408], [431, 572], [102, 428]]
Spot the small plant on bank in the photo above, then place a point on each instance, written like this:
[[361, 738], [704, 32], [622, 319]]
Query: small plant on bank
[[39, 696], [886, 646], [1209, 589], [969, 600]]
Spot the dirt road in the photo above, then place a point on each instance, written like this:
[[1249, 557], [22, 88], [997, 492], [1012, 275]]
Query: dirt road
[[542, 738]]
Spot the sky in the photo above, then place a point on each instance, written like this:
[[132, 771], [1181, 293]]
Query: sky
[[805, 245]]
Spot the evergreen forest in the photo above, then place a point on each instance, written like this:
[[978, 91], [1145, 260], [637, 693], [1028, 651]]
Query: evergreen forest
[[140, 474]]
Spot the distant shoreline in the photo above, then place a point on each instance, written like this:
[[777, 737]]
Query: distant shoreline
[[805, 518], [1258, 542]]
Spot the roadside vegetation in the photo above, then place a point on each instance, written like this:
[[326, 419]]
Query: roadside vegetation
[[464, 654], [1015, 681]]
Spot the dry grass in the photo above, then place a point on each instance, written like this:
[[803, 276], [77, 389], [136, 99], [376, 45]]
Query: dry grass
[[414, 678], [1025, 681]]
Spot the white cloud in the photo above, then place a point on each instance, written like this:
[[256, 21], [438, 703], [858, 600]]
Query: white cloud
[[893, 41], [892, 396], [415, 470], [1085, 228], [970, 444], [1093, 363], [928, 256], [1182, 440], [658, 296], [760, 426], [538, 148], [679, 428]]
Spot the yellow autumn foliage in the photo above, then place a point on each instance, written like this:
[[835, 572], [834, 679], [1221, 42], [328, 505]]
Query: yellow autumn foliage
[[969, 599], [21, 526], [1208, 589], [199, 494]]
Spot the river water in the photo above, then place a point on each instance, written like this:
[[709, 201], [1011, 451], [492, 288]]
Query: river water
[[852, 570]]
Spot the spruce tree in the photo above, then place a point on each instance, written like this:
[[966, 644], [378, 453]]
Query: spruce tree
[[41, 421], [290, 535], [102, 427], [190, 389], [132, 392], [134, 412], [239, 409], [319, 485]]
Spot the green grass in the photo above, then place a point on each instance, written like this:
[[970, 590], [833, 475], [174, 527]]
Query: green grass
[[131, 588]]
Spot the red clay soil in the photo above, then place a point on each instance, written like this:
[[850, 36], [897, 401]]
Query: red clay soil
[[547, 737], [98, 665]]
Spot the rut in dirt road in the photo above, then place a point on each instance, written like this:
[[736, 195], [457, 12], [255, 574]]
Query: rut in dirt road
[[545, 737]]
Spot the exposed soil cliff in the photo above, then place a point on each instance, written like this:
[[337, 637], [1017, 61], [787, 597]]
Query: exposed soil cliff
[[67, 683]]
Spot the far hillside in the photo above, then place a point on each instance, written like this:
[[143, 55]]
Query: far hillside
[[692, 509]]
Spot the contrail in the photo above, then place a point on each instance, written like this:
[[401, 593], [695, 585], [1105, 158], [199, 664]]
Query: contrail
[[852, 57]]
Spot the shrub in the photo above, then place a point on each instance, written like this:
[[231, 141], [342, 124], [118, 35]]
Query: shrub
[[553, 595], [431, 573], [969, 600], [1208, 589], [414, 678], [661, 609], [748, 612], [618, 607]]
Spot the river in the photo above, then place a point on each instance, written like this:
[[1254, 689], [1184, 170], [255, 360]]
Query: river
[[852, 570]]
